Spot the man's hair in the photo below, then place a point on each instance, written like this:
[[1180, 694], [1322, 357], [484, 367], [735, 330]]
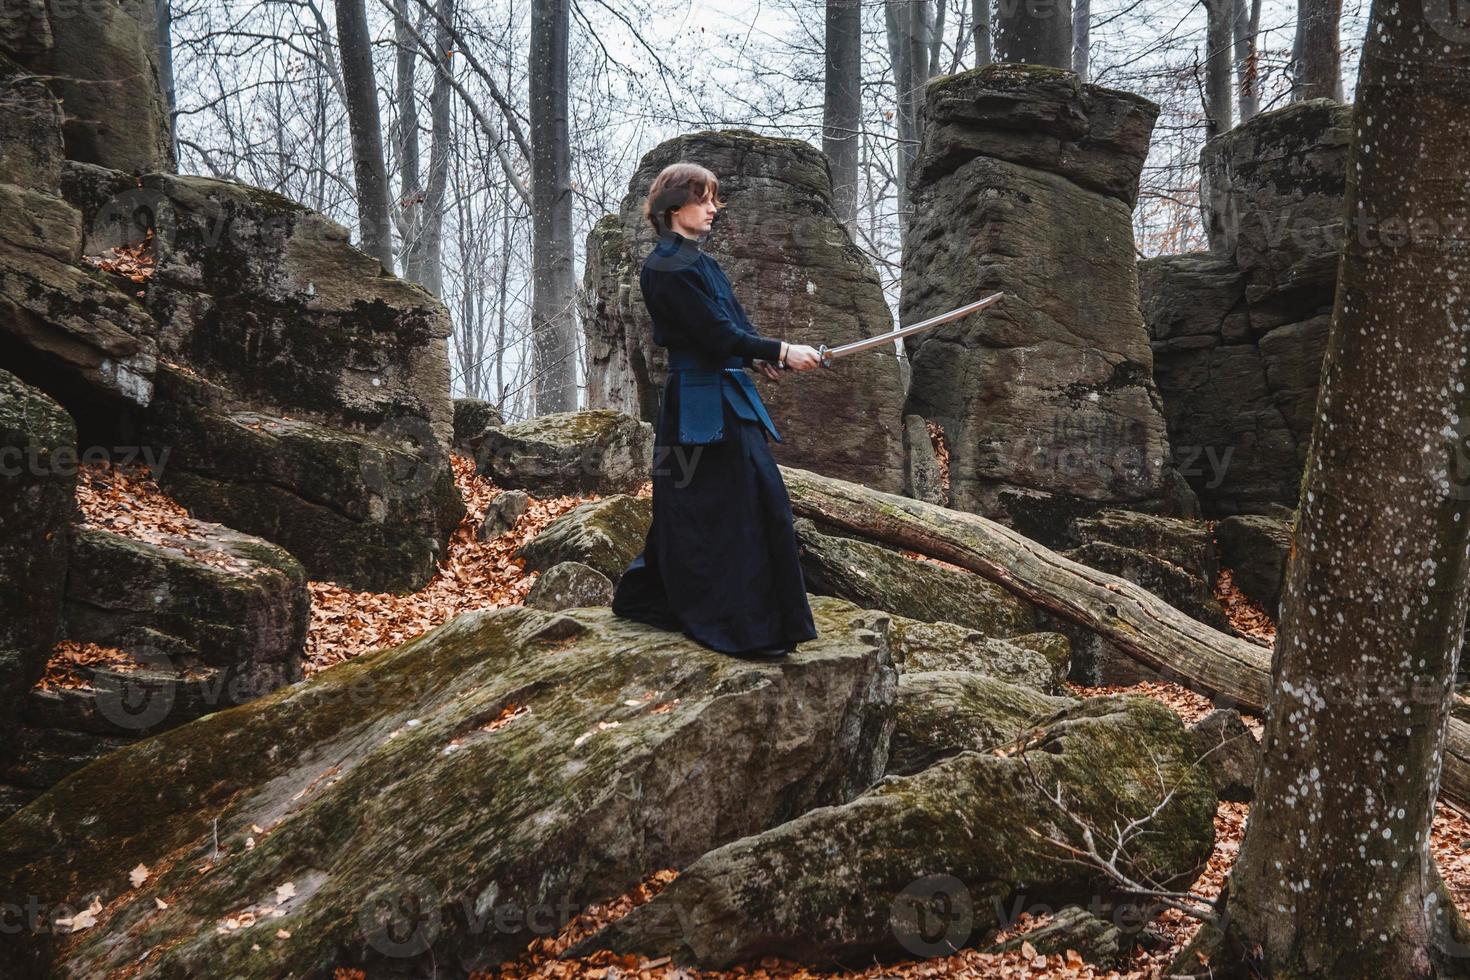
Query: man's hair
[[676, 185]]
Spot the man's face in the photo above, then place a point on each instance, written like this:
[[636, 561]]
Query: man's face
[[697, 216]]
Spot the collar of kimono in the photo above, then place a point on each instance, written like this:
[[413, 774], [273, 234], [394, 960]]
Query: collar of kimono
[[671, 236]]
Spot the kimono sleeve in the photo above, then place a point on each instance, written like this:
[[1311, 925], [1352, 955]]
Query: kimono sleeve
[[688, 300]]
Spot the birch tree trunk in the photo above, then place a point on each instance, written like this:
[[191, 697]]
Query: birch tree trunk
[[1335, 878], [1316, 54], [361, 90], [842, 108], [553, 327], [1037, 32]]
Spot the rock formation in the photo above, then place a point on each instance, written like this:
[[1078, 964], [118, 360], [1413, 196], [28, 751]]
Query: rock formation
[[102, 61], [1025, 183], [797, 273], [498, 773], [1239, 331]]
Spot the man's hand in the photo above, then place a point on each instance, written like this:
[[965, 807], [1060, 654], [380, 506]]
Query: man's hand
[[770, 370]]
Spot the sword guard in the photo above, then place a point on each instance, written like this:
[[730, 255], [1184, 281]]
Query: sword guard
[[826, 360]]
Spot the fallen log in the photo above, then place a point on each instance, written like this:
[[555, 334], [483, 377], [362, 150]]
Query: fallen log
[[1234, 671]]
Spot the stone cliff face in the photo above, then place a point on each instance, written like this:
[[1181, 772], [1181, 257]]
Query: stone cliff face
[[1239, 331], [1025, 183], [799, 276], [102, 61], [277, 380]]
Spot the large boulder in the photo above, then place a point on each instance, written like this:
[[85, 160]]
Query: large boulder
[[1229, 437], [964, 839], [1035, 660], [192, 620], [797, 272], [102, 61], [599, 451], [876, 577], [211, 604], [38, 478], [304, 394], [86, 339], [1174, 558], [1024, 183], [604, 534], [1239, 333], [1255, 547], [370, 510], [494, 775], [1272, 189], [944, 712]]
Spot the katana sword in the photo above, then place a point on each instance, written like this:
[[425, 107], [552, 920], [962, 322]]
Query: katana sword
[[829, 353]]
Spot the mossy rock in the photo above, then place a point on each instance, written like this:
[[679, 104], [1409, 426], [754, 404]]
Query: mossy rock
[[978, 830], [472, 416], [37, 505], [605, 534], [1179, 541], [495, 774], [569, 584], [369, 511], [944, 712], [246, 615], [1035, 660], [876, 577], [599, 450]]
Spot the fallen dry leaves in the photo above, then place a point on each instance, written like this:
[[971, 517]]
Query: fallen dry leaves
[[474, 574]]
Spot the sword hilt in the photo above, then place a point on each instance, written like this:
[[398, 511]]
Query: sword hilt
[[822, 349]]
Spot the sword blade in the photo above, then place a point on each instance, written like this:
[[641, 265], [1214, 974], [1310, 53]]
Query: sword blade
[[934, 321]]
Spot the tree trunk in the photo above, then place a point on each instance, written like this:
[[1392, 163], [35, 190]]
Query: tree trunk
[[1037, 32], [896, 22], [406, 146], [1219, 45], [1231, 670], [1335, 877], [936, 36], [165, 27], [440, 147], [842, 109], [984, 53], [553, 327], [361, 89], [1081, 37], [1247, 28], [1316, 54]]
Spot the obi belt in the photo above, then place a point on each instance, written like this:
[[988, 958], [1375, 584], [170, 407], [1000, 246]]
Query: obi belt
[[705, 385]]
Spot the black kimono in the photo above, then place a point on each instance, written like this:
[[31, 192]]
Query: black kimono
[[720, 561]]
